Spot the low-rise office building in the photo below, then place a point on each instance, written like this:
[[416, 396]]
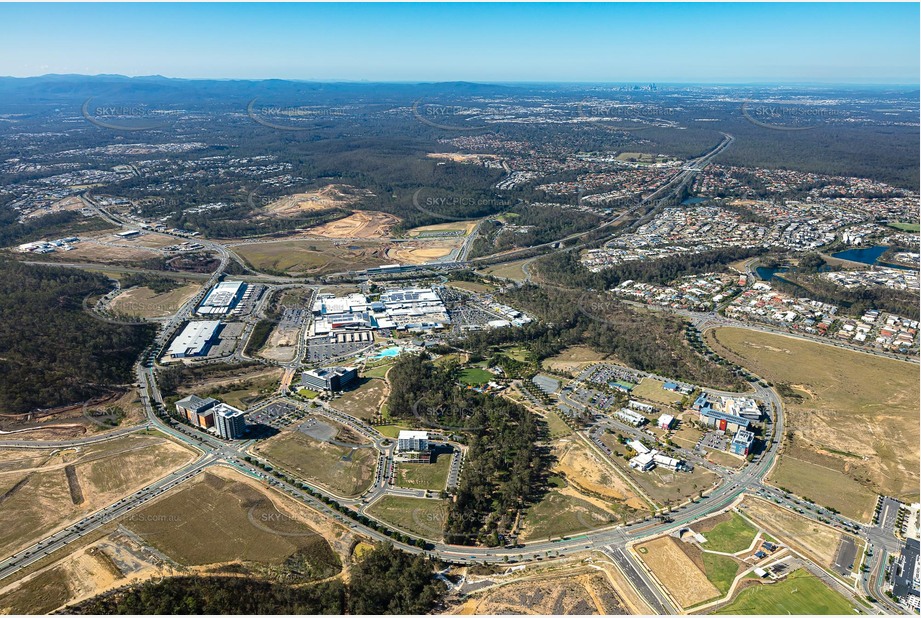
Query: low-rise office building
[[328, 378], [198, 411], [742, 442], [413, 446]]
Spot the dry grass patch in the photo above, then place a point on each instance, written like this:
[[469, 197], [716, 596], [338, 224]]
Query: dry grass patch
[[144, 302], [687, 583], [363, 400], [342, 470], [38, 500], [858, 409], [816, 540], [220, 520]]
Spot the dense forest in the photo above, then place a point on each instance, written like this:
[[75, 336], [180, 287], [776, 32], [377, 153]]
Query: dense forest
[[53, 351], [386, 581], [156, 283], [504, 470]]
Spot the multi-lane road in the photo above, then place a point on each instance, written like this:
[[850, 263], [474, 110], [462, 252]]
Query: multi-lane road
[[613, 541]]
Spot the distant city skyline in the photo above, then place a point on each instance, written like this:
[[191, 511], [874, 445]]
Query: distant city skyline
[[841, 43]]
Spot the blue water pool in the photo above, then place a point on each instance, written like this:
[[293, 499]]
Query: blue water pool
[[389, 352]]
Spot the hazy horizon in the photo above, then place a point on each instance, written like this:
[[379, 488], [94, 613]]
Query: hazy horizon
[[674, 43]]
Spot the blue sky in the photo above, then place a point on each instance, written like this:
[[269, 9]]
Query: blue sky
[[695, 42]]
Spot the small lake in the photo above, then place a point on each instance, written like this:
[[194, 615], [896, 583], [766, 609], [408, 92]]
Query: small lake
[[693, 200], [766, 274], [869, 255]]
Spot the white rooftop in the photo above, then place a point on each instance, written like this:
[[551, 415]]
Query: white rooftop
[[413, 435]]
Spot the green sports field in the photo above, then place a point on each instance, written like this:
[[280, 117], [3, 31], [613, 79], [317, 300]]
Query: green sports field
[[800, 593]]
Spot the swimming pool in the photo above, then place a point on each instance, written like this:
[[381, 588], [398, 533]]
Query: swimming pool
[[389, 352]]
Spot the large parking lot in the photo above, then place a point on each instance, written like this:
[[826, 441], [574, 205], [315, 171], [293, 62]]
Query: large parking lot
[[323, 349], [227, 338], [603, 374], [276, 415], [293, 318], [713, 441], [602, 401]]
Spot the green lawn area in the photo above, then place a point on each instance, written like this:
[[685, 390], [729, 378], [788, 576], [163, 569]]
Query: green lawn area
[[432, 476], [306, 392], [651, 389], [720, 570], [730, 536], [419, 516], [379, 371], [800, 593], [556, 426], [906, 227], [389, 431], [517, 353], [474, 376], [557, 515]]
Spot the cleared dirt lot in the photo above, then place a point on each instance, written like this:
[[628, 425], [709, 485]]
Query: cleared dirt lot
[[359, 224], [585, 472], [325, 198], [114, 560], [421, 252], [313, 256], [816, 540], [36, 497], [282, 343], [574, 358], [463, 227], [676, 571], [858, 412], [144, 302], [577, 592], [106, 248]]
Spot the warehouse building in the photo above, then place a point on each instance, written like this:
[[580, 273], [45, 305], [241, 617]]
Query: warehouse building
[[328, 378], [643, 462], [229, 422], [222, 298], [194, 340], [742, 442]]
